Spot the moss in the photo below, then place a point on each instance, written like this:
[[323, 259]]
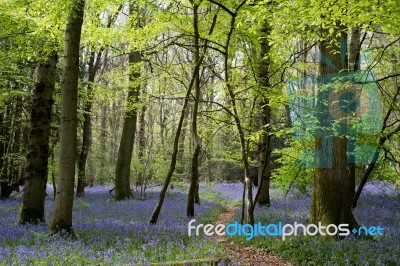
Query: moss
[[32, 216]]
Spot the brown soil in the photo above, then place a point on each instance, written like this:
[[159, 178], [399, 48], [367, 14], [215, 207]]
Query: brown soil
[[243, 254]]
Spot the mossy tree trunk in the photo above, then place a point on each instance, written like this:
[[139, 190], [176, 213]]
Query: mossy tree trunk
[[32, 209], [333, 186], [62, 211], [264, 148], [123, 168]]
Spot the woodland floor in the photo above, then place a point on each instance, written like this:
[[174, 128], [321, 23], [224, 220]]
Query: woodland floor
[[244, 254]]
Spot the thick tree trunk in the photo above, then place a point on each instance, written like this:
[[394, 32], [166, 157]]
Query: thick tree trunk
[[333, 187], [194, 180], [123, 169], [87, 130], [265, 150], [62, 212], [32, 209], [354, 49]]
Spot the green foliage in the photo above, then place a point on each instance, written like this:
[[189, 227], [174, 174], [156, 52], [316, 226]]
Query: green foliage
[[293, 174]]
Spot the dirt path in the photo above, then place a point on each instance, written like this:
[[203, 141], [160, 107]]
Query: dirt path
[[242, 254]]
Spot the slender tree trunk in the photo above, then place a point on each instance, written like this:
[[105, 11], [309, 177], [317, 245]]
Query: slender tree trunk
[[354, 55], [167, 181], [87, 130], [141, 144], [181, 146], [12, 141], [197, 141], [4, 190], [53, 174], [333, 187], [244, 156], [123, 169], [1, 149], [62, 212], [32, 209], [156, 212]]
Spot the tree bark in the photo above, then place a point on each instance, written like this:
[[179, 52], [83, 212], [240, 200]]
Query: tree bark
[[354, 55], [123, 169], [181, 169], [265, 150], [87, 130], [32, 209], [194, 180], [141, 145], [62, 212], [333, 187]]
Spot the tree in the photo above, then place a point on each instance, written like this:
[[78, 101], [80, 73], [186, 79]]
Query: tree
[[264, 149], [93, 67], [32, 209], [333, 187], [123, 168], [167, 181], [62, 213], [194, 181], [87, 126]]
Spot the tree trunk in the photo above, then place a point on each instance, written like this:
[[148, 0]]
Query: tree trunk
[[333, 187], [197, 141], [32, 209], [354, 56], [156, 212], [265, 150], [141, 145], [232, 97], [87, 130], [123, 169], [2, 150], [167, 181], [181, 147], [103, 129], [12, 142], [62, 212]]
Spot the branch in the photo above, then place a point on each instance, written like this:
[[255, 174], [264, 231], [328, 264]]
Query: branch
[[388, 77]]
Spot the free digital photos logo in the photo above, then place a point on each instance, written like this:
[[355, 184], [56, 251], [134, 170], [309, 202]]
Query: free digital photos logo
[[338, 104], [280, 230]]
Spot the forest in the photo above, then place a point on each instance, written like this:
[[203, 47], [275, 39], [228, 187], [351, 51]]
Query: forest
[[143, 132]]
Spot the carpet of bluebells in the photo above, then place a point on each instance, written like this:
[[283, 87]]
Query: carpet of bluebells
[[118, 233], [108, 232], [378, 205]]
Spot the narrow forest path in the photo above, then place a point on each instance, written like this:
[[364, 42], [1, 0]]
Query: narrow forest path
[[244, 254]]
